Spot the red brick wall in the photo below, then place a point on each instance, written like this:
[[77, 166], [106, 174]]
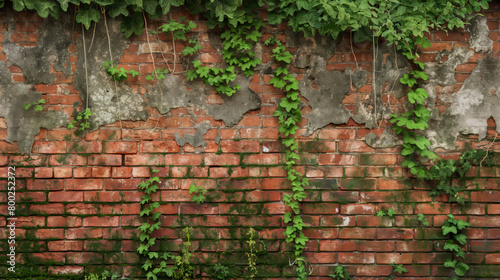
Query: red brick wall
[[79, 201]]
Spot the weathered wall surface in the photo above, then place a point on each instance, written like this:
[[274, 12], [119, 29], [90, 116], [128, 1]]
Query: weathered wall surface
[[78, 194]]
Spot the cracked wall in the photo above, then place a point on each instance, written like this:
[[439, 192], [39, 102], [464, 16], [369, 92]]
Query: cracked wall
[[325, 91], [35, 62]]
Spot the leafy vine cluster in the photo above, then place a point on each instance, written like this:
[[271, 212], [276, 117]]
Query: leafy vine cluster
[[289, 114]]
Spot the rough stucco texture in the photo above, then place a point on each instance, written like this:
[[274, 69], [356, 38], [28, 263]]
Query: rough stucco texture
[[78, 198]]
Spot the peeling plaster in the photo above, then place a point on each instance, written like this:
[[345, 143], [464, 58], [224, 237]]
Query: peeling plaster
[[54, 39], [479, 34], [23, 125], [195, 140], [109, 101], [473, 104]]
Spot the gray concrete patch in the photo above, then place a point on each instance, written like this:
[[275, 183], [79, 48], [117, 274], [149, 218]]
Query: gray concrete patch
[[23, 125], [54, 39], [108, 101], [479, 32]]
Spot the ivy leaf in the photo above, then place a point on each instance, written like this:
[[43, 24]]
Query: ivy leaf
[[461, 238], [150, 6], [462, 224], [147, 265], [86, 16], [450, 263], [132, 25], [449, 229], [18, 5], [118, 8], [391, 212], [461, 268]]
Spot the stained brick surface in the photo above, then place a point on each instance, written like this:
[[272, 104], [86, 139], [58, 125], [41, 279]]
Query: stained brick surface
[[79, 198]]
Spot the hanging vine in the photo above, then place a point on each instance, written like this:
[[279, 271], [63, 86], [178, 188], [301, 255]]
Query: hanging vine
[[289, 114]]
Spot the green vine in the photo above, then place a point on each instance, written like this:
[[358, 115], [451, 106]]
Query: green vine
[[341, 273], [410, 122], [444, 171], [251, 257], [81, 120], [289, 114], [236, 52], [453, 228], [152, 270], [36, 105], [117, 74]]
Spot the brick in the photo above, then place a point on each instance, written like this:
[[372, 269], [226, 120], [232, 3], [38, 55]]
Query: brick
[[66, 196], [414, 246], [193, 160], [120, 147], [390, 233], [87, 147], [159, 147], [45, 185], [376, 246], [30, 222], [221, 160], [32, 160], [331, 159], [49, 233], [101, 172], [133, 134], [492, 258], [340, 196], [67, 159], [240, 146], [101, 221], [354, 171], [377, 159], [124, 209], [357, 209], [357, 233], [121, 172], [337, 134], [354, 147], [9, 148], [264, 159], [82, 172], [432, 208], [358, 184], [58, 221], [105, 160], [43, 172], [84, 258], [47, 209], [65, 245], [83, 184], [42, 147], [488, 221], [259, 133], [141, 172], [63, 172], [320, 208], [356, 258], [371, 271], [143, 160], [426, 258], [399, 258], [122, 184], [50, 256], [485, 196], [204, 209]]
